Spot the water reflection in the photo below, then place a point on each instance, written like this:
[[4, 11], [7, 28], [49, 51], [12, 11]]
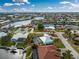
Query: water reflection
[[5, 54]]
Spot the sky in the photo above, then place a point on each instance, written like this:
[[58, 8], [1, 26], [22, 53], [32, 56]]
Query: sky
[[39, 5]]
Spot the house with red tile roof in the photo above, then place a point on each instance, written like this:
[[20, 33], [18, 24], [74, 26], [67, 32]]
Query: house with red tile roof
[[48, 52]]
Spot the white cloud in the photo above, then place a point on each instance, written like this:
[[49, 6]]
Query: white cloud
[[8, 4], [33, 5], [2, 10], [70, 5], [15, 9], [21, 10], [11, 4], [19, 4], [50, 8], [64, 2], [26, 1], [62, 7], [22, 1]]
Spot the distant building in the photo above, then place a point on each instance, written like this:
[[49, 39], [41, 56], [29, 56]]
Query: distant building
[[73, 27], [76, 41], [39, 18], [50, 27], [60, 27], [19, 37]]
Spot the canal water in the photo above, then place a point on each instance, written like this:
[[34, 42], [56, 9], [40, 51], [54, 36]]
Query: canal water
[[4, 54], [17, 24]]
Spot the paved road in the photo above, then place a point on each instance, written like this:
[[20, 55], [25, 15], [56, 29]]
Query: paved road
[[67, 45]]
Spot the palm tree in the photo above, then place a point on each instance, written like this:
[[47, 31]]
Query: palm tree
[[5, 41], [68, 55], [40, 26], [74, 36], [29, 39], [68, 33]]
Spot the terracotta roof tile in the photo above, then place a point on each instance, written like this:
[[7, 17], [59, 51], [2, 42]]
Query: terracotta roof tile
[[48, 52]]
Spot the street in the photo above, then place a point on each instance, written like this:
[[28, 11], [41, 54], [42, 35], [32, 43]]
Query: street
[[67, 45]]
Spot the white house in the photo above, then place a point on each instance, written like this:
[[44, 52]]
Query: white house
[[49, 27], [2, 34]]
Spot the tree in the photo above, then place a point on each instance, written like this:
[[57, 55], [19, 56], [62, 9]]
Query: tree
[[29, 38], [68, 32], [5, 41], [40, 26], [74, 36], [68, 55]]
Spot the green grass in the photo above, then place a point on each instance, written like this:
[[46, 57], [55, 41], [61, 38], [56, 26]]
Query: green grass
[[76, 47], [0, 41], [28, 52], [36, 30], [20, 45], [58, 43], [11, 43], [60, 30]]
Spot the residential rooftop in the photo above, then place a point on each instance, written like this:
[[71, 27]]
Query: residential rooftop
[[48, 52]]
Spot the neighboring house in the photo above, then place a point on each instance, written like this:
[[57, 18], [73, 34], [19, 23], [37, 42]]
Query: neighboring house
[[76, 41], [29, 25], [20, 40], [73, 27], [50, 27], [60, 27], [48, 52], [19, 37], [75, 31], [2, 34]]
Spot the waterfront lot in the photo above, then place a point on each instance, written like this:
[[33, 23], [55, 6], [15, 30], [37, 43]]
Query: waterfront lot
[[4, 54]]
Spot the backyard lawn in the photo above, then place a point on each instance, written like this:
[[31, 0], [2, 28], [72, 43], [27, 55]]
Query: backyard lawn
[[58, 43], [28, 53], [20, 45]]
